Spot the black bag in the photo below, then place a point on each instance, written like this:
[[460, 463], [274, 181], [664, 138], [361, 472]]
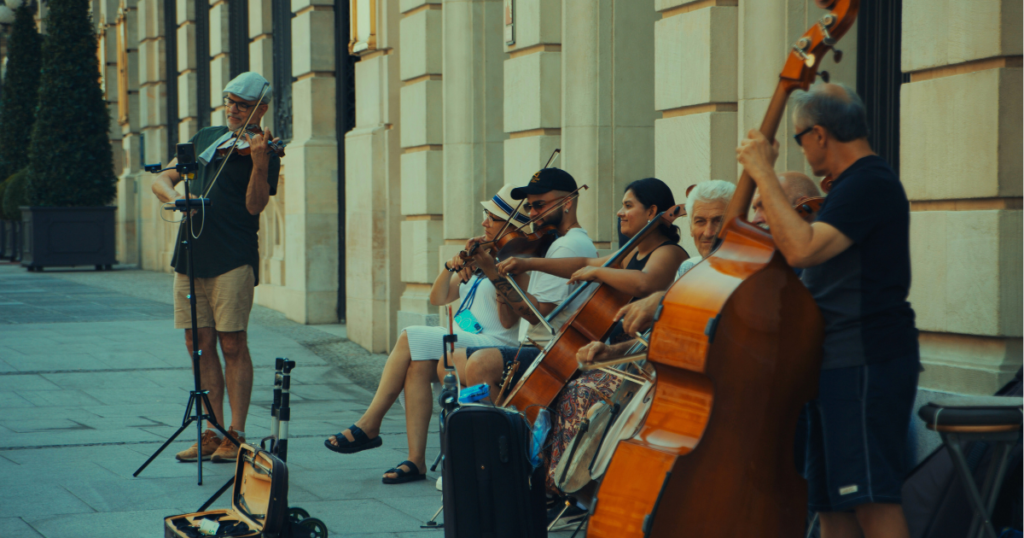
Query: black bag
[[490, 489]]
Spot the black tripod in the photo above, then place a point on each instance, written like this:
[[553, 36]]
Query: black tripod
[[187, 167]]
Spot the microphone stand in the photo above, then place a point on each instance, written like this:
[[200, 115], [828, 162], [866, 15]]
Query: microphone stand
[[197, 397]]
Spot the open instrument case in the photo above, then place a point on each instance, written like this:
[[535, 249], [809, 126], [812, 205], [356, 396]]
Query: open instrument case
[[259, 502]]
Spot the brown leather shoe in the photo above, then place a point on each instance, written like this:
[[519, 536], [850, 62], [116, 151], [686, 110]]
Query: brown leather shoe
[[210, 445], [227, 451]]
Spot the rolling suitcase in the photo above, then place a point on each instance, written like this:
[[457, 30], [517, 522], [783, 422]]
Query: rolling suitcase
[[490, 489]]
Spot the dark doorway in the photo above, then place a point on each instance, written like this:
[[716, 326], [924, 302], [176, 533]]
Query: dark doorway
[[879, 76], [345, 106], [171, 75], [238, 36], [281, 12], [203, 62]]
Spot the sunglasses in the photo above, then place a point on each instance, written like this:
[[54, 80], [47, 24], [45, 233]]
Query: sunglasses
[[799, 136]]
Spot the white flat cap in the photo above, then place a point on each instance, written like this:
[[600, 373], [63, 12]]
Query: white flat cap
[[248, 86]]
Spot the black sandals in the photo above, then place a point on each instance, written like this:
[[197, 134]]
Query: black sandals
[[362, 442], [412, 475]]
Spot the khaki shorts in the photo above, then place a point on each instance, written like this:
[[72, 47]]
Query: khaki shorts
[[222, 302]]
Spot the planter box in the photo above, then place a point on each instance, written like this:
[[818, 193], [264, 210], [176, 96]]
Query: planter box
[[67, 236]]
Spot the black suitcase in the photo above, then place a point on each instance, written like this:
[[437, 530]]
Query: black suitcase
[[490, 489]]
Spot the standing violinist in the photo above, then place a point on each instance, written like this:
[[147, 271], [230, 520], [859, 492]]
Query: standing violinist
[[549, 201], [225, 251], [856, 261]]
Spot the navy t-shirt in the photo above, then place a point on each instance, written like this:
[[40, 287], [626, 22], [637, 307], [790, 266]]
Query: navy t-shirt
[[862, 292], [228, 234]]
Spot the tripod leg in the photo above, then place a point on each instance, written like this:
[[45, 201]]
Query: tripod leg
[[216, 495], [163, 446], [199, 434]]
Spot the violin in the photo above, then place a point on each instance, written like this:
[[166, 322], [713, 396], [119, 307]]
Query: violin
[[736, 346], [241, 147]]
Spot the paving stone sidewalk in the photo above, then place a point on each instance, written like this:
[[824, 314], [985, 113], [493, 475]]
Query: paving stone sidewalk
[[93, 378]]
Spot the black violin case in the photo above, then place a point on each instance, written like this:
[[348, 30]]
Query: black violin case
[[259, 502]]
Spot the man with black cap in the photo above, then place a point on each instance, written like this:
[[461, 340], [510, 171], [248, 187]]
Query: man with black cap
[[550, 187], [225, 251]]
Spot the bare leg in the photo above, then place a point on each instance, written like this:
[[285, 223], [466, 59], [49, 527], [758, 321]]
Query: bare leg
[[210, 374], [882, 520], [458, 360], [419, 407], [392, 381], [485, 366], [238, 374], [839, 525]]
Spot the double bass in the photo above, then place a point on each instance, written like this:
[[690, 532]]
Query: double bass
[[737, 345]]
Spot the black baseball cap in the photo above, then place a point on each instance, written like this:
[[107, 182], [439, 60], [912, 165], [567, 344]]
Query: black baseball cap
[[546, 180]]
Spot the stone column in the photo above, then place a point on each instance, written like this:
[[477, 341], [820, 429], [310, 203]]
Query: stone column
[[188, 103], [607, 105], [272, 226], [422, 156], [310, 194], [126, 238], [533, 89], [373, 192], [960, 163], [220, 61], [695, 68]]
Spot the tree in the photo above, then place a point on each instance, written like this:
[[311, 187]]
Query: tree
[[70, 159], [15, 195], [20, 97]]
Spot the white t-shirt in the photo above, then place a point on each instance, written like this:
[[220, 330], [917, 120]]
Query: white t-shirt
[[687, 265], [552, 289]]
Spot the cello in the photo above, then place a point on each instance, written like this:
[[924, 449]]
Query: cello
[[736, 345], [556, 365]]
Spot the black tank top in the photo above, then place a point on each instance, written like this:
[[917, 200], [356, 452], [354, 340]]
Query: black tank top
[[637, 264]]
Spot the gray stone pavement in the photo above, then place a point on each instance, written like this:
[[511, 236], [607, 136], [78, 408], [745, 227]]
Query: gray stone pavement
[[93, 378]]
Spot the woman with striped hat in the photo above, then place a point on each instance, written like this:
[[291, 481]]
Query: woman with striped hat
[[412, 364]]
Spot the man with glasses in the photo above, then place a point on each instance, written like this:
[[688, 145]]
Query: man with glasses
[[856, 260], [225, 253], [549, 193]]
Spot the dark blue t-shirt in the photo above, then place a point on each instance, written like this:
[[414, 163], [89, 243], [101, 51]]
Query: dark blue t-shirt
[[862, 292]]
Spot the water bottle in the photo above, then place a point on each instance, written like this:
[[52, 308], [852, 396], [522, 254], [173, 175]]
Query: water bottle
[[541, 427]]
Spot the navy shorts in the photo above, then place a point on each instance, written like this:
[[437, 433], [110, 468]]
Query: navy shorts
[[857, 435], [524, 355]]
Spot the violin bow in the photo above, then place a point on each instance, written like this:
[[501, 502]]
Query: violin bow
[[238, 137], [501, 232], [571, 196]]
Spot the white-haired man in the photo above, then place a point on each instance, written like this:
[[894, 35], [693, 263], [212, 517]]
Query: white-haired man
[[225, 255]]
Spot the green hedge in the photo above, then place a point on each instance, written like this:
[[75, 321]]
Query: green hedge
[[21, 91], [15, 195], [71, 161]]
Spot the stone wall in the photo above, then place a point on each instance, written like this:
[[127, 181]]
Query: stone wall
[[451, 104], [960, 162]]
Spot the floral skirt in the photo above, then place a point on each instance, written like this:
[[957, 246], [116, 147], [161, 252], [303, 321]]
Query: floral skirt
[[569, 410]]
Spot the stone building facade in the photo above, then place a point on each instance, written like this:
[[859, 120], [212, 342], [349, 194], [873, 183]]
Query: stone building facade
[[454, 98]]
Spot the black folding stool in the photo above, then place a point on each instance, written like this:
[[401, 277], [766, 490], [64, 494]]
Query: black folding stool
[[995, 420]]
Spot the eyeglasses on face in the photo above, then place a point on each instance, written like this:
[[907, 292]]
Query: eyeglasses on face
[[538, 205], [490, 216], [799, 136], [242, 107]]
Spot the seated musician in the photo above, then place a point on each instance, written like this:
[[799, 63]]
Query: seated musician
[[705, 205], [856, 257], [796, 186], [411, 364], [548, 188]]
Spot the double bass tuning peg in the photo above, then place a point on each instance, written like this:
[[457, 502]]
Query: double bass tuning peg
[[837, 55], [824, 76]]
